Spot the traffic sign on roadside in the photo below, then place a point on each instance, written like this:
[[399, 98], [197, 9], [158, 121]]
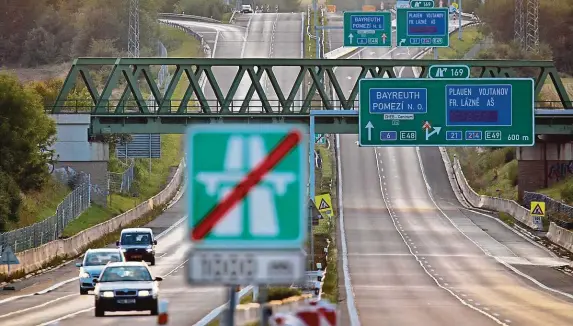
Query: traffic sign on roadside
[[368, 29], [422, 3], [449, 71], [247, 185], [319, 139], [446, 112], [247, 204], [422, 27]]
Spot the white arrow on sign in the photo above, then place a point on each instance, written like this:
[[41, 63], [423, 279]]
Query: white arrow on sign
[[369, 126], [435, 131], [402, 41], [350, 37]]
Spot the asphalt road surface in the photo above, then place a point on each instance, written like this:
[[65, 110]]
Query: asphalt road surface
[[65, 305], [416, 256]]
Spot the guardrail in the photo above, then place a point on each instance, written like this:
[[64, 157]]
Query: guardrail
[[556, 234], [34, 259], [187, 17]]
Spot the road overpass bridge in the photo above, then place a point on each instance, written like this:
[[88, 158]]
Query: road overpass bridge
[[122, 105]]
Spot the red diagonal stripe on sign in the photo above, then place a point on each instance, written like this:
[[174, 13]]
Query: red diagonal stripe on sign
[[242, 189]]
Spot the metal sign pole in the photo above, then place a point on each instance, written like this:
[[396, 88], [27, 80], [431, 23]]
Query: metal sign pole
[[460, 21], [263, 297], [232, 304]]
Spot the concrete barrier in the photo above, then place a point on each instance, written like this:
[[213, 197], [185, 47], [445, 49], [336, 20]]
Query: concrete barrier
[[34, 259], [560, 236], [510, 207], [248, 313]]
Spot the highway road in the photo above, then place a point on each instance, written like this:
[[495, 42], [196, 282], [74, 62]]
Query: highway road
[[413, 255], [63, 304]]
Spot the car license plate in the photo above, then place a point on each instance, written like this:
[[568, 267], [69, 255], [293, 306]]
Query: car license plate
[[126, 301], [136, 257]]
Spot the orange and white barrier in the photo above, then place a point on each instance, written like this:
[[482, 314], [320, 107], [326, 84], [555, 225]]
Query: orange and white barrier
[[162, 316], [314, 313]]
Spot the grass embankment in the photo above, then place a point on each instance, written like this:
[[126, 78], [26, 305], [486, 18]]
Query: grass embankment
[[458, 48], [147, 184], [326, 183]]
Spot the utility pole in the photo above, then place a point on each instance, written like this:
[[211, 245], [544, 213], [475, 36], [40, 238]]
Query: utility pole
[[133, 39], [519, 23], [532, 37]]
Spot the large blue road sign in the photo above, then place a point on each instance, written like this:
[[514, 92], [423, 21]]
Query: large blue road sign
[[427, 27]]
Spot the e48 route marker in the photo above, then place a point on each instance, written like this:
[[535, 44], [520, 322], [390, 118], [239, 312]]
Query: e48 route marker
[[247, 203]]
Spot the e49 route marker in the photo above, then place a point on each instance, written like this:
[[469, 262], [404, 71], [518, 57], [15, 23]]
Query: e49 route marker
[[422, 27], [368, 29], [481, 112], [247, 186]]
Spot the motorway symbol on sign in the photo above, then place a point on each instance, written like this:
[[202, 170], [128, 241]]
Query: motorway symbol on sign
[[247, 185], [447, 71], [245, 267], [422, 27], [7, 257], [448, 112], [368, 29], [319, 139], [537, 208], [422, 3]]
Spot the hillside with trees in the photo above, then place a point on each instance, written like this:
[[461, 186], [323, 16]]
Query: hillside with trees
[[555, 32], [41, 32]]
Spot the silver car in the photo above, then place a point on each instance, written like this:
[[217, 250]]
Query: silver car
[[93, 263], [126, 286]]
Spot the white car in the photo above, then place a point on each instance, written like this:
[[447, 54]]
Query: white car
[[246, 9]]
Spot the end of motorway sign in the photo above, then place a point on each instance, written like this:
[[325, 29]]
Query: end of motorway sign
[[368, 29], [447, 112], [247, 185], [247, 203]]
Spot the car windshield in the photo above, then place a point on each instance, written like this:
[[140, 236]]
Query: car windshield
[[101, 258], [125, 274], [135, 239]]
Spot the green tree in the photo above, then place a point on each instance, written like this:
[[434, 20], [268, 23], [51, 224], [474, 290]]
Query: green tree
[[26, 134]]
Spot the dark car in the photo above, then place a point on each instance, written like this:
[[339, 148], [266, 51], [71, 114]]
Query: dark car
[[126, 286], [138, 244]]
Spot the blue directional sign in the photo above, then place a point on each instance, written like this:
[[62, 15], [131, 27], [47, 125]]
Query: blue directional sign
[[368, 29], [446, 112], [422, 27]]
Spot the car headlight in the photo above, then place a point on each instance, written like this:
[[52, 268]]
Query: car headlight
[[143, 293], [123, 250], [107, 294], [149, 249], [84, 275]]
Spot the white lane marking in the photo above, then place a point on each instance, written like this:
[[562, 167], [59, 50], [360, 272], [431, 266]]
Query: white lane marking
[[70, 315], [350, 304], [515, 270], [35, 307], [424, 268], [65, 317], [246, 37]]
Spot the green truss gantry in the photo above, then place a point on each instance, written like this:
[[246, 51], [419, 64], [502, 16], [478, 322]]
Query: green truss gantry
[[121, 106]]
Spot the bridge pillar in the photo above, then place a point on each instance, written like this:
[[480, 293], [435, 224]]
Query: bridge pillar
[[546, 163], [76, 154]]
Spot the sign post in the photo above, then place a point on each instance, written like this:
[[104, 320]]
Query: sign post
[[422, 27], [368, 29], [247, 203], [446, 112]]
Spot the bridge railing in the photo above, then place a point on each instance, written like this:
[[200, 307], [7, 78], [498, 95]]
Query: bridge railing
[[175, 107]]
